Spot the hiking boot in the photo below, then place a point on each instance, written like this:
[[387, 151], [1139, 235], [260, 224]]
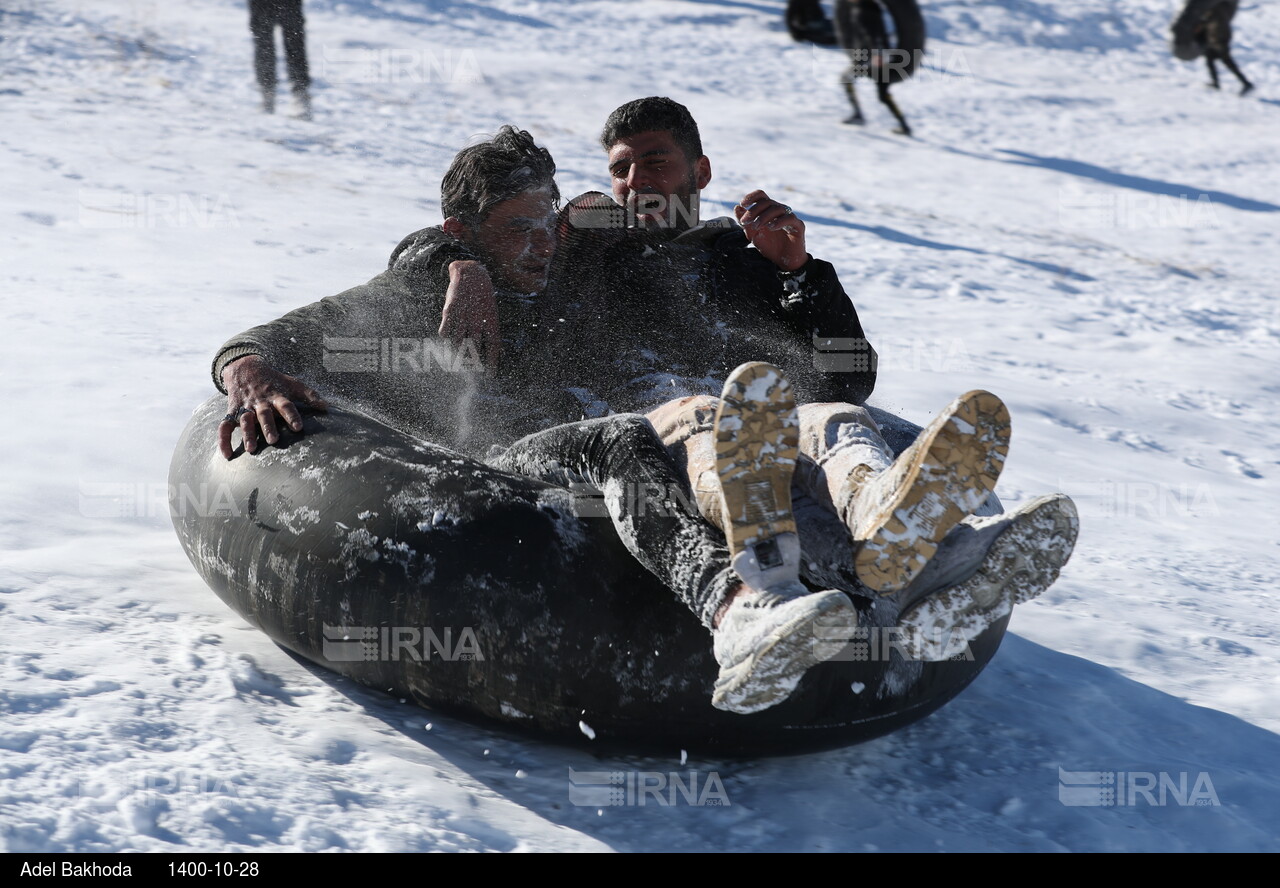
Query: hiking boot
[[757, 445], [899, 515], [764, 642], [767, 640], [268, 101], [1024, 552]]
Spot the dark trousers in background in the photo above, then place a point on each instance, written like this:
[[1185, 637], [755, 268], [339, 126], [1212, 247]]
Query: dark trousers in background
[[264, 16]]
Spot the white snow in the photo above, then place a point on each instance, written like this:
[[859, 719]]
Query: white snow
[[1079, 225]]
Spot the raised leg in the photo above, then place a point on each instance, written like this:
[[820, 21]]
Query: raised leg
[[882, 90], [1245, 85], [856, 117], [1017, 556], [767, 637]]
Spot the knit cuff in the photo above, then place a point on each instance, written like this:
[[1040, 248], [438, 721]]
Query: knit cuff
[[226, 356]]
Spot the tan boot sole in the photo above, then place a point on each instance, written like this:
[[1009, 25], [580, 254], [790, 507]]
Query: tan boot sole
[[757, 442], [953, 466]]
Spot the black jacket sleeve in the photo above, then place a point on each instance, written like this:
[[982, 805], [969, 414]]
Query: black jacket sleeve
[[405, 300], [422, 259], [811, 306], [298, 342]]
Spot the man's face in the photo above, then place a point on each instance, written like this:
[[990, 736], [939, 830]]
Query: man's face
[[655, 181], [517, 241]]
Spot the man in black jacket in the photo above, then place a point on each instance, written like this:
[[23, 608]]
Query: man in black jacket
[[709, 293]]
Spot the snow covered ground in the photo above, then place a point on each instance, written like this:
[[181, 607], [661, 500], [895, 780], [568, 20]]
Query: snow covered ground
[[1080, 225]]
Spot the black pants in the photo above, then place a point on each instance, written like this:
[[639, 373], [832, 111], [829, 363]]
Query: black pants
[[264, 16], [645, 494]]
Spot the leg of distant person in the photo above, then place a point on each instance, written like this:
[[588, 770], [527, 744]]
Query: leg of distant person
[[262, 26], [293, 24]]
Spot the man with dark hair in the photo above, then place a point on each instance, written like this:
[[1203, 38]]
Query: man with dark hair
[[499, 198], [647, 115], [487, 173], [709, 293], [264, 17]]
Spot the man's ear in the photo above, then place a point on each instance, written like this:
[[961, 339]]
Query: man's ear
[[702, 169], [454, 228]]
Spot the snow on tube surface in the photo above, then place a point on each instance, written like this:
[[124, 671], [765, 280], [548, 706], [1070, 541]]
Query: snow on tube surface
[[418, 571], [907, 36]]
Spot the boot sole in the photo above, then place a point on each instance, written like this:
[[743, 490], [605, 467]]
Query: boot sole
[[771, 673], [1022, 562], [757, 445], [955, 465]]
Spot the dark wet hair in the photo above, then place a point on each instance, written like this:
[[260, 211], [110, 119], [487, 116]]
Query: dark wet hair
[[500, 168], [655, 113]]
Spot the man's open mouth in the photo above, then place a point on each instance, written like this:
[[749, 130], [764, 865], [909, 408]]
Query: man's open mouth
[[649, 203]]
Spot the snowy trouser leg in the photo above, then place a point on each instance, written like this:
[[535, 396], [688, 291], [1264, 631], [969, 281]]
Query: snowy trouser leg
[[841, 442], [687, 427]]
